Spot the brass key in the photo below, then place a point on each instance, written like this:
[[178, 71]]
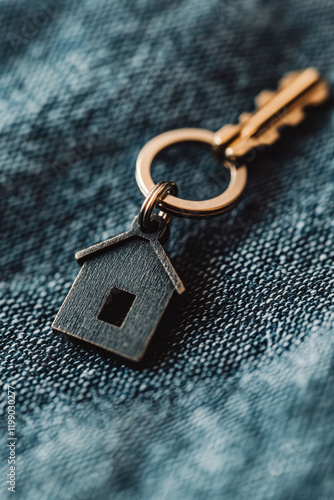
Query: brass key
[[275, 109]]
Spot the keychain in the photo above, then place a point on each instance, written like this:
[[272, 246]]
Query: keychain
[[126, 282]]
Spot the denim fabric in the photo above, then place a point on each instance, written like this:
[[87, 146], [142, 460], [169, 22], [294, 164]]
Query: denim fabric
[[235, 399]]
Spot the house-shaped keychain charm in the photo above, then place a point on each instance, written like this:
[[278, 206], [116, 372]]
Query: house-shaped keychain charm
[[120, 293]]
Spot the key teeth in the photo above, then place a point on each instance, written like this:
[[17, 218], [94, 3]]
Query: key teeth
[[264, 97], [287, 79], [244, 117], [269, 137], [321, 94], [293, 118]]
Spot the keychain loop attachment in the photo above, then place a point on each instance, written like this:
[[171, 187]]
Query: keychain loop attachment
[[188, 208], [148, 221]]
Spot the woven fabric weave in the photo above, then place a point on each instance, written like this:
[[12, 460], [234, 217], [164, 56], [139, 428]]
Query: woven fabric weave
[[235, 399]]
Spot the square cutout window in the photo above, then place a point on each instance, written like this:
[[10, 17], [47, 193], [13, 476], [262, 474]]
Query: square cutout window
[[116, 307]]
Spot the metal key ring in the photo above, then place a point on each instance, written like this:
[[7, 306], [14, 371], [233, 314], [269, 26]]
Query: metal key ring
[[158, 193], [177, 206]]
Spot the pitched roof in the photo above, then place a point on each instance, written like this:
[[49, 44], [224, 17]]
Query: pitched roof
[[134, 232]]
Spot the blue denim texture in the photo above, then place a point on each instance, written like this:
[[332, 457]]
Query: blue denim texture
[[235, 400]]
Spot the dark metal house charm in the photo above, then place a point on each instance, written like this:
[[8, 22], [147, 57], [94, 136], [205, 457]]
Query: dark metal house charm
[[120, 293]]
